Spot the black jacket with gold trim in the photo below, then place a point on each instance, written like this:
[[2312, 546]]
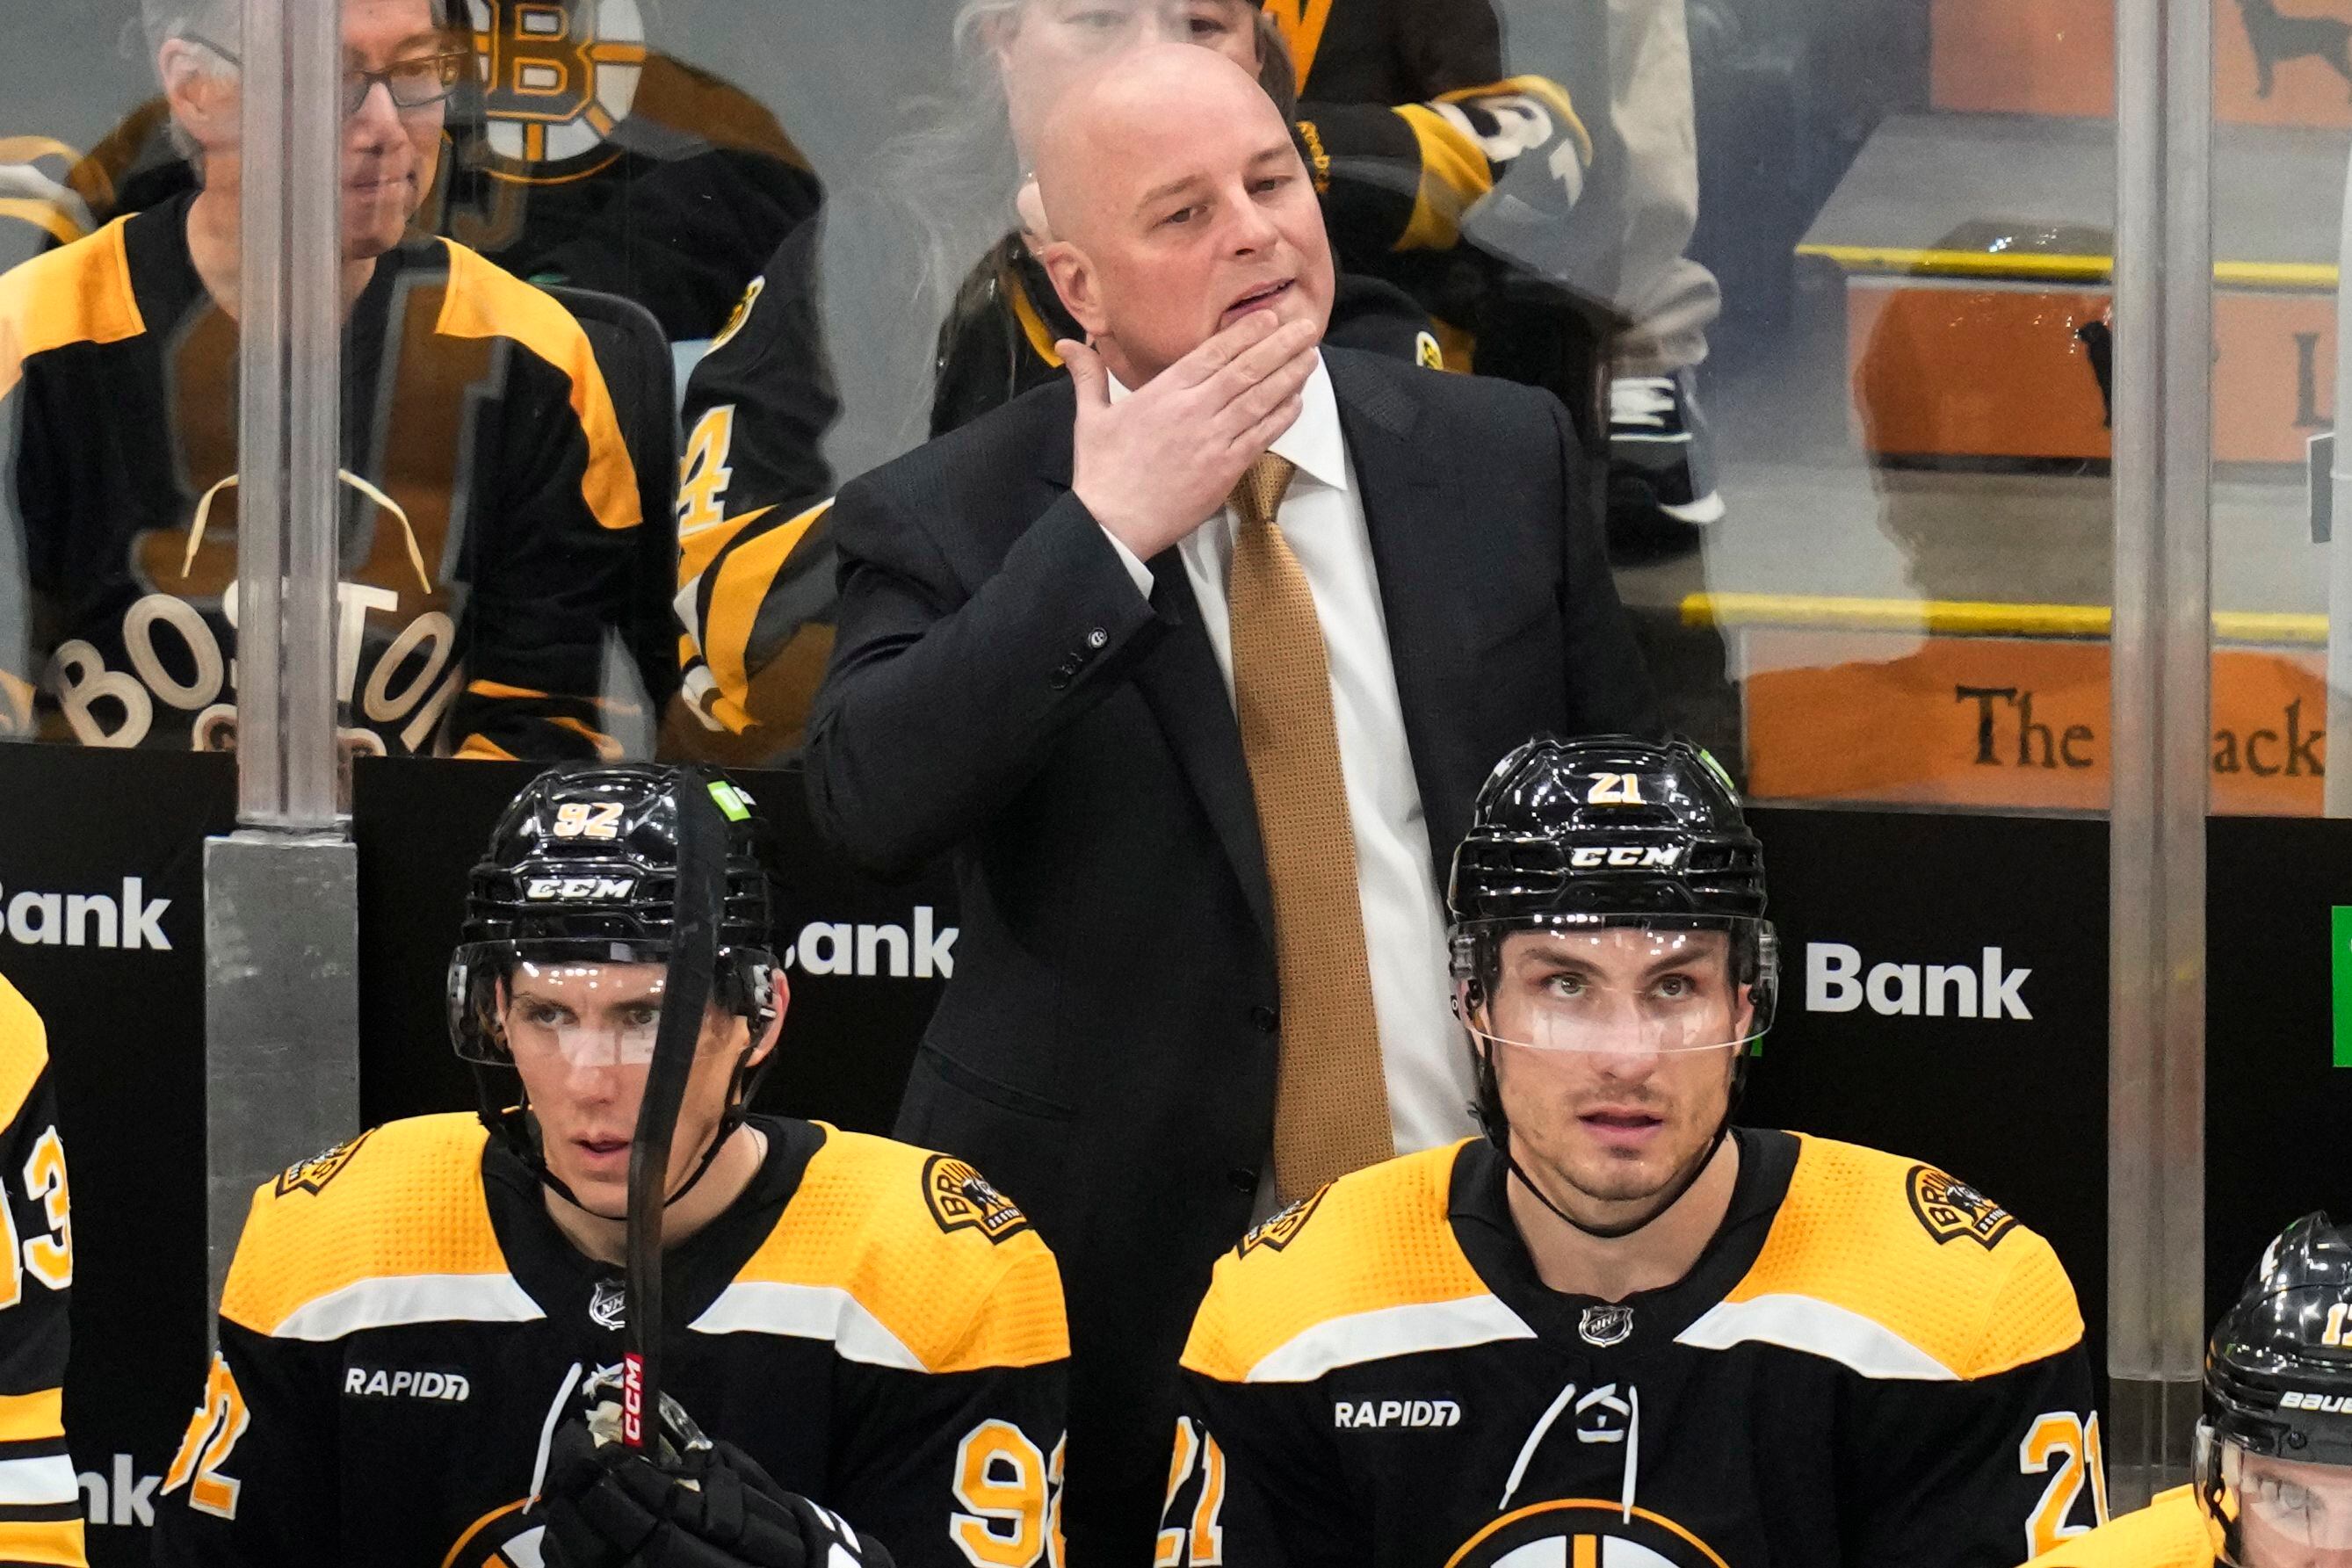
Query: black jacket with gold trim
[[403, 1321], [1869, 1364], [473, 609], [41, 1516]]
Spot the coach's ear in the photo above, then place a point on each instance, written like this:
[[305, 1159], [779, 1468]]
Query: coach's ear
[[1078, 284]]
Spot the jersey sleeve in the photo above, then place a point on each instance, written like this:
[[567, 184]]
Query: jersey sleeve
[[756, 561], [1991, 1469], [40, 1501], [962, 1468], [252, 1483], [552, 569], [1252, 1480]]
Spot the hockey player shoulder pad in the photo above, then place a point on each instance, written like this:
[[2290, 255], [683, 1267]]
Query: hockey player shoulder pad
[[376, 1231], [1898, 1271], [1372, 1254], [921, 1264]]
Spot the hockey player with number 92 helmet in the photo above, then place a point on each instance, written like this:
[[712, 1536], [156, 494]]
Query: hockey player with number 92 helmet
[[1619, 1329], [421, 1333]]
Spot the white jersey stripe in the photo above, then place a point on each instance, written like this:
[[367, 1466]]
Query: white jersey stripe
[[395, 1300], [28, 1483], [808, 1311], [1818, 1328], [1390, 1331]]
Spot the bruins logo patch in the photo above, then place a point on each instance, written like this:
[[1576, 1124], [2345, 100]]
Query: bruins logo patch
[[1950, 1208], [961, 1200], [1588, 1534], [1282, 1228], [311, 1176], [1426, 352], [742, 313]]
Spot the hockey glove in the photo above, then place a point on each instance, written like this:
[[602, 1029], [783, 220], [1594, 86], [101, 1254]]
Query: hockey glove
[[607, 1507]]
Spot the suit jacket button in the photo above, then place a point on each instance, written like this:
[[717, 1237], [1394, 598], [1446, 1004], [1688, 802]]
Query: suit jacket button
[[1244, 1180], [1098, 639], [1266, 1019], [1059, 681]]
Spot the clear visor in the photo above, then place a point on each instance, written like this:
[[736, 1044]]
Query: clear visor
[[1621, 986], [584, 1005], [2287, 1502]]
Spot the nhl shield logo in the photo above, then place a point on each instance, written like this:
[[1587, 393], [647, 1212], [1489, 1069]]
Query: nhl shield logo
[[557, 74], [608, 1306], [1605, 1325], [961, 1200], [1950, 1210]]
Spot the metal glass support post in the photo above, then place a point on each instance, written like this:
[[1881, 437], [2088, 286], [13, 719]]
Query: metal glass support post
[[2162, 674], [2338, 800], [281, 905]]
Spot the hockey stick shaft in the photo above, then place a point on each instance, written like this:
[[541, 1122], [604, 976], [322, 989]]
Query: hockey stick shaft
[[699, 901]]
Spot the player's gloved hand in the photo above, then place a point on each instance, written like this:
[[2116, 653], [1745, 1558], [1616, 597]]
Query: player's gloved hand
[[607, 1507]]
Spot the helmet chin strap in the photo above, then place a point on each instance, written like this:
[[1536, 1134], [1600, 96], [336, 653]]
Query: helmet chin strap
[[512, 1124], [1499, 1133], [1693, 1169]]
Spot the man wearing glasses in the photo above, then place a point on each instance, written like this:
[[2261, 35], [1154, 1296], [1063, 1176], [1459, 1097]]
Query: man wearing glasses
[[487, 503]]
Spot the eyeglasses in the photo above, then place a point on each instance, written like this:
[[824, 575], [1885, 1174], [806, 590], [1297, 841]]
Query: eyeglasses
[[419, 82]]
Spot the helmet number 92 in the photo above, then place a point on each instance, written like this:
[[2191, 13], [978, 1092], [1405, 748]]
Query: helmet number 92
[[1615, 789], [588, 819]]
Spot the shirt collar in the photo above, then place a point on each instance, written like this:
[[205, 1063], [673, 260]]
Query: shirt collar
[[1315, 444]]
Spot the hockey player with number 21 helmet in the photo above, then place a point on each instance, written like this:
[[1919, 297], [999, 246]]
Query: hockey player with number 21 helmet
[[862, 1344], [2273, 1470], [1618, 1331]]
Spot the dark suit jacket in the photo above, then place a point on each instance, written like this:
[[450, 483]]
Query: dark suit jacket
[[1106, 1050]]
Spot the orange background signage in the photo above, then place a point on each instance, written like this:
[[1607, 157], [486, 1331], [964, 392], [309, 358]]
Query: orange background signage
[[2003, 721]]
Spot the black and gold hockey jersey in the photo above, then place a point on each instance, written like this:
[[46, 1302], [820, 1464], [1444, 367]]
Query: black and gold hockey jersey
[[488, 505], [404, 1327], [40, 1501], [2169, 1533], [1869, 1364]]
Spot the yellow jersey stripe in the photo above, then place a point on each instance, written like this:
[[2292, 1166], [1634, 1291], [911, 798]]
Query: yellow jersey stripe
[[55, 1540], [27, 1417], [483, 301], [80, 294], [24, 1051], [1454, 175]]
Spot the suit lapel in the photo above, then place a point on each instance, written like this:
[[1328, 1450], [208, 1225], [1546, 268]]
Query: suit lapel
[[1430, 560], [1185, 690]]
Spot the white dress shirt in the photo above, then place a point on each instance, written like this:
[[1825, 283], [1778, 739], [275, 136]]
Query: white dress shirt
[[1422, 1053]]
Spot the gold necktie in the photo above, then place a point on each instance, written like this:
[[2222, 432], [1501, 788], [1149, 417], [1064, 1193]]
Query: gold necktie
[[1331, 1103]]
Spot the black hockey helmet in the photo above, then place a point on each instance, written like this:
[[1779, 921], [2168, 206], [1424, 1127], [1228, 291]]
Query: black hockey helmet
[[1581, 835], [582, 870], [1609, 830], [2278, 1387]]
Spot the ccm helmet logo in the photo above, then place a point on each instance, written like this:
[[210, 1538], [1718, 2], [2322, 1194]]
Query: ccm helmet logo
[[2326, 1404], [1636, 857], [580, 889]]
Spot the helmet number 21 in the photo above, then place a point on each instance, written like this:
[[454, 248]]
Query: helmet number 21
[[1616, 789]]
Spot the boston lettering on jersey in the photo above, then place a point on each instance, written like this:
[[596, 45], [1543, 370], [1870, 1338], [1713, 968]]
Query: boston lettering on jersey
[[486, 504], [1869, 1363]]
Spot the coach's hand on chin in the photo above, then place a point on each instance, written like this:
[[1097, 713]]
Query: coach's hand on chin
[[1156, 465]]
